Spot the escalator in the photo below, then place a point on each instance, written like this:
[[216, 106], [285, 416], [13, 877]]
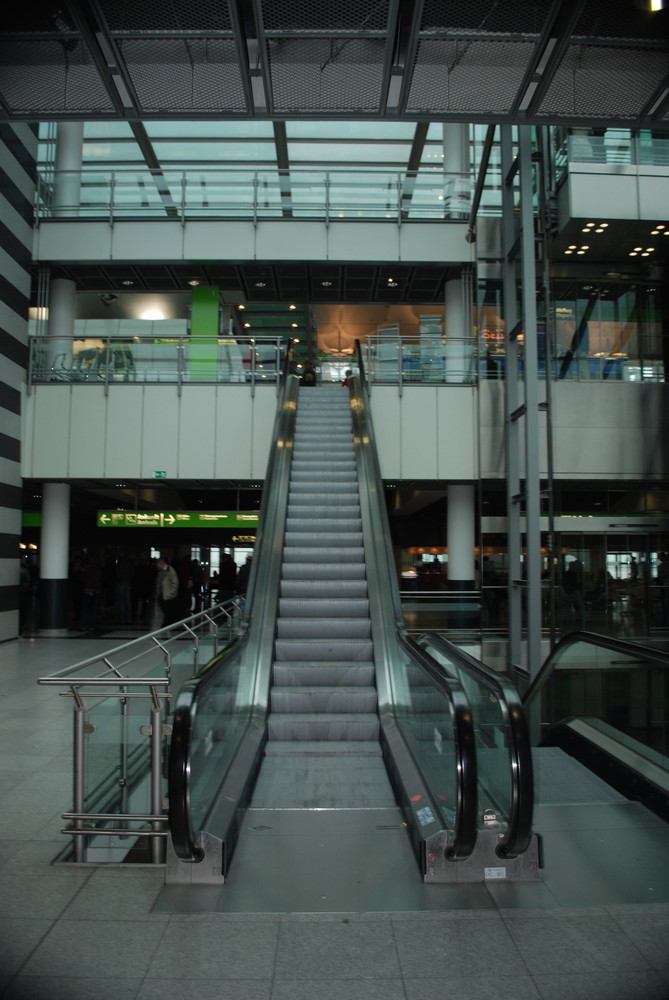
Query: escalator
[[325, 729], [604, 702]]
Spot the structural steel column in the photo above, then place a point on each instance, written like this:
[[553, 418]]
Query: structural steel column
[[521, 408]]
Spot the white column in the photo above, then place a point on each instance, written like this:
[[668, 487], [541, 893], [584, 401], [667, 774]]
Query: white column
[[54, 558], [461, 537], [457, 182], [67, 180], [60, 323]]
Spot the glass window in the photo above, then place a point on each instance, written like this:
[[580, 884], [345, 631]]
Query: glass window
[[326, 153], [185, 152], [339, 131]]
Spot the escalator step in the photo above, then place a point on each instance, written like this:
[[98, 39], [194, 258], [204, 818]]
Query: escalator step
[[287, 673], [323, 650], [328, 699], [323, 628], [323, 726]]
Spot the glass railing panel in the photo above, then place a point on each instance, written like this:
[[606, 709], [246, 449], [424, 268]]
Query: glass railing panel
[[493, 748], [217, 723], [156, 361], [424, 713], [626, 688]]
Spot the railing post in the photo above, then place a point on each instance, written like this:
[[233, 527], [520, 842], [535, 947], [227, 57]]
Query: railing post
[[78, 775], [156, 775]]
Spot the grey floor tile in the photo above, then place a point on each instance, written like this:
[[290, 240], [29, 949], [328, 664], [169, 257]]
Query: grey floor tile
[[650, 933], [96, 949], [203, 989], [474, 987], [560, 944], [338, 989], [117, 898], [210, 949], [347, 949], [28, 856], [48, 988], [456, 948], [603, 986], [38, 895], [18, 937]]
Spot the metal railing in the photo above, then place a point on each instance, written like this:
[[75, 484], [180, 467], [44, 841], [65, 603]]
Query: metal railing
[[175, 360], [122, 700], [257, 195]]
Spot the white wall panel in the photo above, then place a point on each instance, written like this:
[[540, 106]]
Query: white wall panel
[[139, 241], [123, 433], [363, 241], [219, 240], [291, 241], [456, 433], [88, 432], [418, 433], [592, 195], [50, 432], [264, 416], [386, 418], [233, 445], [10, 524], [53, 240], [443, 242], [160, 430], [197, 426]]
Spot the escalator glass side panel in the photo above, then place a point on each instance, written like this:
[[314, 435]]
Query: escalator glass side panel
[[434, 720], [503, 753]]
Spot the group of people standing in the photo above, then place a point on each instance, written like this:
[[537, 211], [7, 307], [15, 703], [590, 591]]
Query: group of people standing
[[152, 590]]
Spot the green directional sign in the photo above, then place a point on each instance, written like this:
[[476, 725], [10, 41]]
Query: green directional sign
[[177, 519]]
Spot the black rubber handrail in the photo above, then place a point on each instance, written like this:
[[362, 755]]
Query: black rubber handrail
[[518, 836], [626, 647]]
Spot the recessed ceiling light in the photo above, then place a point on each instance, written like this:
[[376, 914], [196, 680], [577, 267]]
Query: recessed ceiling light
[[240, 306], [294, 325], [247, 325], [261, 284], [127, 282], [194, 282], [292, 307], [584, 246], [649, 249], [326, 284]]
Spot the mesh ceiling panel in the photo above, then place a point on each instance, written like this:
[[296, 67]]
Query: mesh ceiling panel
[[467, 77], [46, 75], [353, 16], [471, 16], [588, 82], [184, 74], [160, 16], [319, 75]]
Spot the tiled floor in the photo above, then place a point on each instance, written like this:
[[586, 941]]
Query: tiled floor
[[70, 934]]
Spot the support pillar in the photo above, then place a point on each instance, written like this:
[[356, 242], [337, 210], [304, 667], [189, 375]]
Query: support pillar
[[457, 180], [461, 542], [54, 559], [67, 179]]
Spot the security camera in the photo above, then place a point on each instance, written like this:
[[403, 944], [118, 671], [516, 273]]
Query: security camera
[[107, 298]]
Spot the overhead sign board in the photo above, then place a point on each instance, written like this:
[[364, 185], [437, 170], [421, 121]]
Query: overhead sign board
[[177, 519]]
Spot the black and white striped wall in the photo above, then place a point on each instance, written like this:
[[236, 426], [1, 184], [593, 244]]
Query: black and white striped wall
[[18, 151]]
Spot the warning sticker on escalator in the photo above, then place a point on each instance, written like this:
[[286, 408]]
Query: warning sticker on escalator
[[425, 816]]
